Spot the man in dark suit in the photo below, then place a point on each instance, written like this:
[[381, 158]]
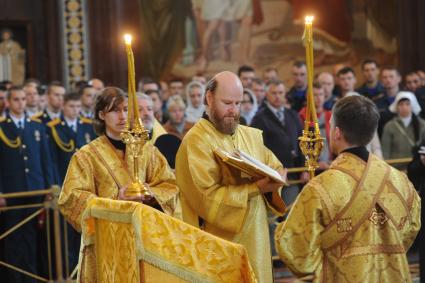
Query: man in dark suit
[[25, 165], [55, 94], [297, 94], [67, 134], [281, 128]]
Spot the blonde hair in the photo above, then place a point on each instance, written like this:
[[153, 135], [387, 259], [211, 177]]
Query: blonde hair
[[175, 101]]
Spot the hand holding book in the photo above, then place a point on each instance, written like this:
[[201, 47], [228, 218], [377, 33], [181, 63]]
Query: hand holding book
[[250, 166]]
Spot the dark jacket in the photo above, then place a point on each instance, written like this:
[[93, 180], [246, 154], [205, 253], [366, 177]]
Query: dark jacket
[[281, 139], [61, 155], [27, 167]]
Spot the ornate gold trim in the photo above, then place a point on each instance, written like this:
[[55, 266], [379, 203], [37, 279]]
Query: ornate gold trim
[[372, 250]]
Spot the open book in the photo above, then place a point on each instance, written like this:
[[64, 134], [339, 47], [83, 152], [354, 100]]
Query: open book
[[248, 165]]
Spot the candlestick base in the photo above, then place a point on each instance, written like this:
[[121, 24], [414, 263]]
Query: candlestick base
[[137, 190]]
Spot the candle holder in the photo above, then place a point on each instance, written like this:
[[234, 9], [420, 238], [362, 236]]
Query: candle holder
[[311, 142], [134, 134], [311, 145]]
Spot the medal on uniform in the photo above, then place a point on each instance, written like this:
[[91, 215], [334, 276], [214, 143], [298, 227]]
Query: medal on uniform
[[87, 136], [37, 135]]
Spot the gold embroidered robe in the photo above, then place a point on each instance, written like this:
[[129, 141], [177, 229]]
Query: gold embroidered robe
[[352, 223], [231, 210], [88, 177], [157, 131]]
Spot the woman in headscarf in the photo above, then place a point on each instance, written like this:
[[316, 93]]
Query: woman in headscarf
[[404, 131], [195, 92], [248, 106]]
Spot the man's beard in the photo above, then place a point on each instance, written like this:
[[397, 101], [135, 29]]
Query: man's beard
[[227, 126], [147, 123]]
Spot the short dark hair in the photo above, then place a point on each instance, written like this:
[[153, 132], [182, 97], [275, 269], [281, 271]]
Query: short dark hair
[[150, 91], [357, 117], [258, 81], [245, 69], [53, 84], [369, 61], [83, 88], [345, 71], [107, 101], [299, 64], [317, 85], [210, 87], [269, 69], [415, 73], [148, 80], [274, 82], [72, 96], [13, 89], [390, 68]]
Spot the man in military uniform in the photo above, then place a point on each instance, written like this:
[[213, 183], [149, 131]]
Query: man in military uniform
[[25, 165], [67, 134], [87, 95], [55, 94]]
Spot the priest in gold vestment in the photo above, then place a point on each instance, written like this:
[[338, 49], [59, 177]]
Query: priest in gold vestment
[[101, 169], [221, 205], [150, 123], [356, 221]]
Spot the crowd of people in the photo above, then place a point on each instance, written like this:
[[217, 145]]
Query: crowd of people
[[41, 128]]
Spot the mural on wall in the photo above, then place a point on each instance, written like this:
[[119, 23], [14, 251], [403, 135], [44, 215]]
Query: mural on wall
[[225, 34], [12, 54]]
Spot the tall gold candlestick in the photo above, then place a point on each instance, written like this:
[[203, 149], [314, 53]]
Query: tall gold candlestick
[[134, 134], [311, 143]]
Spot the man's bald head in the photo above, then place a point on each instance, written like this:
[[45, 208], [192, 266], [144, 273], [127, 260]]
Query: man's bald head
[[223, 82], [224, 93]]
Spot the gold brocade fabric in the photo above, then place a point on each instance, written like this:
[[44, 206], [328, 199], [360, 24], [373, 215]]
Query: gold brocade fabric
[[125, 233], [231, 209], [352, 223], [157, 131], [97, 170]]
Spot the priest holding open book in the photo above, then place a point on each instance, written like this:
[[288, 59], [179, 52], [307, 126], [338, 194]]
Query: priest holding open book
[[223, 188]]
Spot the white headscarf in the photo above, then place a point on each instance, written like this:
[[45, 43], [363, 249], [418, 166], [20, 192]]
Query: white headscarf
[[194, 114], [249, 115], [416, 108]]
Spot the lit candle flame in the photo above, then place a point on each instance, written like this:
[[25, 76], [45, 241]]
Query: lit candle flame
[[309, 20], [127, 38]]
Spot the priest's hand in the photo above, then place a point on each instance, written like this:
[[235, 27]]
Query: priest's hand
[[268, 186], [283, 172], [144, 199], [122, 196]]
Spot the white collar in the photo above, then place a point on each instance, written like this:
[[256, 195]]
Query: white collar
[[274, 109], [71, 123], [87, 114], [16, 120], [406, 120], [53, 115]]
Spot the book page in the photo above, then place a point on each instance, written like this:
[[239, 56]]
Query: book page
[[260, 165]]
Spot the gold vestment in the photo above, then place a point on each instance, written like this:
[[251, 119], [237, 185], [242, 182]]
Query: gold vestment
[[233, 210], [157, 131], [352, 223], [97, 170]]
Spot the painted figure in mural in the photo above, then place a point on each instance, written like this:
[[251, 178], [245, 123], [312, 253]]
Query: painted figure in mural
[[216, 14], [12, 59]]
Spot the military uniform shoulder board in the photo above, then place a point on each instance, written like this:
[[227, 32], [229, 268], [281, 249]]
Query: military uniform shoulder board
[[86, 120], [35, 119], [37, 115], [2, 119], [54, 122]]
